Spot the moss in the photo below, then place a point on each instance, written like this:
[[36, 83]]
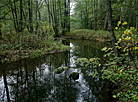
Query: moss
[[61, 69]]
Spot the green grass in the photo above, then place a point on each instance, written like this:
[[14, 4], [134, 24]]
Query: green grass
[[100, 35]]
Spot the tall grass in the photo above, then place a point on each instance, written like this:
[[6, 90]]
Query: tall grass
[[90, 34]]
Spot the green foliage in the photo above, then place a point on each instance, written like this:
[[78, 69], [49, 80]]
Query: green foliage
[[100, 35], [61, 69], [89, 14], [15, 46], [92, 61], [86, 62], [122, 70]]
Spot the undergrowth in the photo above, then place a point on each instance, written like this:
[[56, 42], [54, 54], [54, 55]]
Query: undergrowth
[[15, 46], [122, 70]]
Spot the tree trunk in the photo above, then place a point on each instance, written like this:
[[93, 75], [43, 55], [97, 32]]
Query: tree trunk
[[105, 21], [0, 30], [55, 19], [53, 15], [17, 15], [30, 28], [36, 14], [137, 18], [92, 14], [21, 17], [68, 23], [113, 38], [0, 27], [95, 6], [65, 18], [60, 15]]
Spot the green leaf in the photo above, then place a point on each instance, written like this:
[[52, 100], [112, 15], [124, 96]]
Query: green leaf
[[114, 96], [104, 49]]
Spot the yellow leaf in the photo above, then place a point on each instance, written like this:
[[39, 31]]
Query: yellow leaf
[[132, 28], [127, 38], [116, 28], [120, 71], [91, 59], [126, 32], [119, 40], [136, 48], [125, 23], [122, 37], [119, 47], [119, 22]]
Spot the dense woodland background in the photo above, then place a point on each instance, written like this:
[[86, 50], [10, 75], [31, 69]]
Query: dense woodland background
[[38, 15]]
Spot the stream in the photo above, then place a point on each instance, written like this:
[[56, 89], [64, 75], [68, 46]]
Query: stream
[[34, 80]]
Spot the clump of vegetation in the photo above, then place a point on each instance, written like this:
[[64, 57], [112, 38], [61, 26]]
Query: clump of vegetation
[[123, 69], [15, 46], [85, 62], [61, 69], [94, 62], [99, 35]]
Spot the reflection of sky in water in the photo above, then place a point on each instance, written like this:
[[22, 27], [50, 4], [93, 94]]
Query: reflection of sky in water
[[1, 83], [44, 75], [46, 69], [2, 94], [72, 57]]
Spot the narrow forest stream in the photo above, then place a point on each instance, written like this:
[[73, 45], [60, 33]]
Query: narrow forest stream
[[33, 80]]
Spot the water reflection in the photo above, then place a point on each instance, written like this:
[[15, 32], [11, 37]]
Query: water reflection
[[33, 80]]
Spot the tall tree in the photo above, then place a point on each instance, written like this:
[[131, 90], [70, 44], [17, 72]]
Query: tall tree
[[52, 10], [113, 38], [30, 9], [0, 25], [137, 17]]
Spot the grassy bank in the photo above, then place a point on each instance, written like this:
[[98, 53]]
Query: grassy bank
[[98, 35], [16, 46]]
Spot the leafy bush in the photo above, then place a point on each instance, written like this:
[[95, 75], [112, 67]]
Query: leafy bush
[[122, 70]]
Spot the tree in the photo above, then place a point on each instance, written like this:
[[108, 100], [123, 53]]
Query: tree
[[0, 27], [137, 16], [30, 9], [113, 38]]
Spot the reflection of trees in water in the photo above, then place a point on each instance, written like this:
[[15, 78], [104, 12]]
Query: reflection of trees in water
[[98, 88], [88, 50], [33, 79], [27, 81]]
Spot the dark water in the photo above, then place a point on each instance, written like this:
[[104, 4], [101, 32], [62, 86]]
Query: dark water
[[33, 80]]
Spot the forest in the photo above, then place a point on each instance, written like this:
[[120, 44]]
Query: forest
[[31, 28]]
